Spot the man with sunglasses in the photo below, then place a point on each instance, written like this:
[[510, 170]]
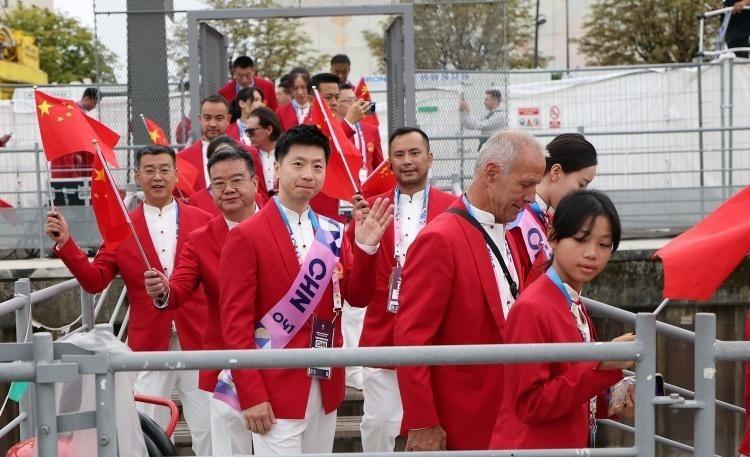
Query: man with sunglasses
[[264, 128], [233, 187], [162, 225]]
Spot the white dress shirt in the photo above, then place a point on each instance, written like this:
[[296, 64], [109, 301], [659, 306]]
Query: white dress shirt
[[497, 233], [162, 227], [205, 162], [576, 298], [267, 160], [409, 211]]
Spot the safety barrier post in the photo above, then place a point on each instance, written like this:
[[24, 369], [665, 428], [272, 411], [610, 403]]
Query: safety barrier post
[[106, 425], [88, 317], [704, 431], [46, 414], [23, 331], [645, 385]]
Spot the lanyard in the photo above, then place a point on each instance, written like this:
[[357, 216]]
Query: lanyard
[[397, 234], [300, 111], [362, 146], [538, 211]]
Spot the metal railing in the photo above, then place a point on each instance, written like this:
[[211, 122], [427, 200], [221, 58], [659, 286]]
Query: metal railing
[[44, 362]]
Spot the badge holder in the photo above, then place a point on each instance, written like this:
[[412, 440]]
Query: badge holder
[[321, 338], [345, 208], [394, 287]]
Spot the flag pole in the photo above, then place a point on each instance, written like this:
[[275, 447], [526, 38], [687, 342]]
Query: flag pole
[[335, 139], [661, 306], [105, 166]]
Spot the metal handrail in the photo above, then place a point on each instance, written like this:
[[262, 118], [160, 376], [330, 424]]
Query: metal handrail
[[12, 424]]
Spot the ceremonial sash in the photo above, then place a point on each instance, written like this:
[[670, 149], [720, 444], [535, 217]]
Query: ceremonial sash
[[287, 317], [534, 233]]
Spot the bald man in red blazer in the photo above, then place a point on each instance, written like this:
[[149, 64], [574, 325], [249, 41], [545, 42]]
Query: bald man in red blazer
[[453, 291]]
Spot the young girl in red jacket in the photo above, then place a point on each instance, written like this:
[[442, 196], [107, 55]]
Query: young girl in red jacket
[[553, 405]]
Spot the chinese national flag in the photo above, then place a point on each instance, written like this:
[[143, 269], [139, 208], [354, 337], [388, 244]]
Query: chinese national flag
[[338, 183], [380, 181], [699, 260], [109, 212], [66, 129], [155, 133], [362, 92]]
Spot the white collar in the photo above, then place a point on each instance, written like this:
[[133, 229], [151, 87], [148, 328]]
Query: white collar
[[574, 294], [410, 198], [542, 204], [293, 215], [269, 153], [484, 217], [232, 224], [168, 208]]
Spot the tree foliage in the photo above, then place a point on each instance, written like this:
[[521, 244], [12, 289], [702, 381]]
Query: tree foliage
[[68, 51], [469, 36], [627, 32], [275, 45]]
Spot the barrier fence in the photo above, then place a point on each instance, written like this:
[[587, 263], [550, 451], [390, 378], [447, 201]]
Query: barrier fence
[[39, 360]]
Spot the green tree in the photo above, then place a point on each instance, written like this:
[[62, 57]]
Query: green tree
[[468, 36], [68, 51], [276, 45], [626, 32]]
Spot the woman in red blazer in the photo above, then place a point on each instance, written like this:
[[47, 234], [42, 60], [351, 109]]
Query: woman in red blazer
[[552, 405], [571, 165]]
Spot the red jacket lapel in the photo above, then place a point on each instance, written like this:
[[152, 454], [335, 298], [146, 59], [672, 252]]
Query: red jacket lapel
[[280, 233]]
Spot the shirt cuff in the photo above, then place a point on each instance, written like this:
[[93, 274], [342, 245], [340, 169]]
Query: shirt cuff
[[369, 250], [161, 303]]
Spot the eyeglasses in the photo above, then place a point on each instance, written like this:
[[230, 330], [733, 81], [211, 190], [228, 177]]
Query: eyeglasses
[[219, 185], [164, 171]]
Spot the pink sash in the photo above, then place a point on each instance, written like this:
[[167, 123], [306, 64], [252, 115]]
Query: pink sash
[[534, 233]]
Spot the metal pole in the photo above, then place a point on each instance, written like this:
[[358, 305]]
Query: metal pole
[[39, 199], [704, 424], [722, 97], [87, 310], [193, 74], [23, 330], [700, 124], [536, 36], [730, 115], [645, 385], [106, 427], [410, 103], [46, 415], [567, 35]]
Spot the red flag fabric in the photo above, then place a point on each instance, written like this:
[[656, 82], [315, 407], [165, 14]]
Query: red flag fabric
[[381, 180], [66, 129], [155, 132], [338, 183], [362, 92], [109, 212], [187, 174], [699, 260]]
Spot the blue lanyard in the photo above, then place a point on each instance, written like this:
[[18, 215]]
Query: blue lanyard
[[556, 280], [313, 220], [538, 211]]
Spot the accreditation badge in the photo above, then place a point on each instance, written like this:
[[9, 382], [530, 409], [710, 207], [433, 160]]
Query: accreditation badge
[[394, 285], [345, 208], [362, 175], [321, 338]]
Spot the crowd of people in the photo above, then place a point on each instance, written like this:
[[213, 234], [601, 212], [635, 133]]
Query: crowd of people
[[258, 258]]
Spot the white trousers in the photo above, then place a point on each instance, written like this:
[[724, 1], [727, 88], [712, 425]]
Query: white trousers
[[381, 422], [352, 320], [229, 432], [195, 402], [312, 435]]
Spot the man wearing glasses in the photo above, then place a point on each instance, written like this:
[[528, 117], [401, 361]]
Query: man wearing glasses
[[162, 225], [233, 187], [264, 128]]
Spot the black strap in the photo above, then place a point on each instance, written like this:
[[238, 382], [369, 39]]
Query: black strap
[[491, 243]]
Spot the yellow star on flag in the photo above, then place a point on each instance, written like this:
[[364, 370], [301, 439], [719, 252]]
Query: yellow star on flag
[[59, 118], [99, 174], [154, 134], [68, 114], [44, 107]]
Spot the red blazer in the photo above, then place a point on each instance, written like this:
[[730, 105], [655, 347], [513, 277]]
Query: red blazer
[[194, 155], [149, 328], [378, 326], [288, 117], [229, 90], [529, 270], [233, 131], [373, 148], [546, 405], [257, 267], [199, 264], [449, 295]]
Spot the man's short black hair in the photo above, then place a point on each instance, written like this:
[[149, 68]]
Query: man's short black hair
[[267, 118], [218, 143], [405, 131], [305, 135], [495, 93], [340, 58], [235, 152], [322, 78], [243, 62], [92, 93], [285, 82], [343, 86], [215, 98], [153, 149]]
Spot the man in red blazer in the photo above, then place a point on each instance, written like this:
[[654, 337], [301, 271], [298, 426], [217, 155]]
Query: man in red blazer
[[295, 113], [455, 291], [214, 119], [243, 75], [269, 267], [365, 136], [416, 203], [233, 187], [162, 225]]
